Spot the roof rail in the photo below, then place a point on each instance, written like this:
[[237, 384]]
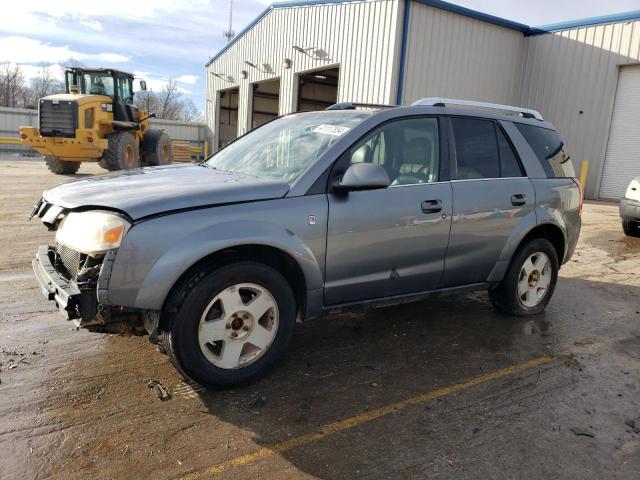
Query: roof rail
[[353, 106], [443, 102]]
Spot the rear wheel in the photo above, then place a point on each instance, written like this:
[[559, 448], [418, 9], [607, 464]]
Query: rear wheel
[[228, 325], [122, 154], [630, 228], [530, 280], [156, 148], [61, 167]]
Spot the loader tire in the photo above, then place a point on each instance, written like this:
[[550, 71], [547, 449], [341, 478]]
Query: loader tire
[[61, 167], [156, 148], [122, 154]]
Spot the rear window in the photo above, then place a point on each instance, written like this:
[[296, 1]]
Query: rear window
[[548, 147]]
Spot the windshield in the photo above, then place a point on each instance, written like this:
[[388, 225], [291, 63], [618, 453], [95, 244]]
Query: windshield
[[98, 84], [285, 147]]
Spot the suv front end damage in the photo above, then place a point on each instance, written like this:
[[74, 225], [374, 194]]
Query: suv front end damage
[[74, 273]]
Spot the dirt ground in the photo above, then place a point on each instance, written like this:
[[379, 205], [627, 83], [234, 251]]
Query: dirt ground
[[413, 388]]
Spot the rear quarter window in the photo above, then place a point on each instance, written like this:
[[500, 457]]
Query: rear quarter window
[[548, 147]]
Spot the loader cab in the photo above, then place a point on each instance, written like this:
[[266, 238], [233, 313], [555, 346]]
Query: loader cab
[[107, 82]]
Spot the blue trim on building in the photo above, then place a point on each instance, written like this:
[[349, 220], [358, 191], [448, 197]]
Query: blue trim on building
[[585, 22], [403, 49], [467, 12]]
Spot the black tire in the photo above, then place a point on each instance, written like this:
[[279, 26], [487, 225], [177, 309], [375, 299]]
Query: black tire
[[505, 296], [61, 167], [123, 152], [630, 228], [156, 148], [179, 335]]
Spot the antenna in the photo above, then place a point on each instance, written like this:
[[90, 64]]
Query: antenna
[[229, 33]]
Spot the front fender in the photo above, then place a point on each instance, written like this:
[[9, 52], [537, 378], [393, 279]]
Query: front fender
[[153, 255]]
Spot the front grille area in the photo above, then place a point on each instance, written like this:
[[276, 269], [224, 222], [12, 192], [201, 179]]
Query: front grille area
[[70, 260], [58, 118]]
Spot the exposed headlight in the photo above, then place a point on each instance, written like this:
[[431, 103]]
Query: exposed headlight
[[633, 192], [92, 232]]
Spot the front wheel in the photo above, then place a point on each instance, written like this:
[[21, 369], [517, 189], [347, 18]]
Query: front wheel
[[156, 148], [530, 280], [228, 325]]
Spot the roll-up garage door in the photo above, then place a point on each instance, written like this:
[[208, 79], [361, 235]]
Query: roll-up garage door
[[622, 160]]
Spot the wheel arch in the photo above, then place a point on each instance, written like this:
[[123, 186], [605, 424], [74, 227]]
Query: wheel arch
[[551, 232], [274, 257], [546, 230]]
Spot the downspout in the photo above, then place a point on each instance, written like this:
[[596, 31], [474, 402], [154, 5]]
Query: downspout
[[403, 49]]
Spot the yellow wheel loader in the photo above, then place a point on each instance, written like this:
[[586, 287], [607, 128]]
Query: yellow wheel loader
[[96, 121]]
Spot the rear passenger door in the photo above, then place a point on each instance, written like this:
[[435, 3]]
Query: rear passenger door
[[491, 198]]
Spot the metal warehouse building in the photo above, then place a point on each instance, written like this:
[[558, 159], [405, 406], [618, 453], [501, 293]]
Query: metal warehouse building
[[583, 76]]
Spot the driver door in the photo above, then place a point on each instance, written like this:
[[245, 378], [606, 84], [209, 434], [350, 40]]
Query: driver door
[[391, 241]]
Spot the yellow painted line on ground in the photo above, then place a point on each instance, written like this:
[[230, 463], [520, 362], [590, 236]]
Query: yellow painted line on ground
[[352, 422]]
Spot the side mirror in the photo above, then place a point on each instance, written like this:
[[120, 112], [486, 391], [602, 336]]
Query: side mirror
[[363, 176], [143, 85]]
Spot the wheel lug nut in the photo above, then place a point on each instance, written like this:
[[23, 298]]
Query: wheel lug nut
[[246, 329], [234, 334], [245, 316]]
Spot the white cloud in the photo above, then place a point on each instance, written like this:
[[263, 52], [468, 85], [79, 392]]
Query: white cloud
[[187, 79], [18, 49], [32, 71], [157, 83]]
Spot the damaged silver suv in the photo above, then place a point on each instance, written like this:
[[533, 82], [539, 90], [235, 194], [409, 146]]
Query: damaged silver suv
[[310, 213]]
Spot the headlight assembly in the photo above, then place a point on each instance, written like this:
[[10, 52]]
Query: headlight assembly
[[92, 232]]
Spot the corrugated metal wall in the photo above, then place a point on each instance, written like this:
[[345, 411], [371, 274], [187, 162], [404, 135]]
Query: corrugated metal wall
[[11, 119], [359, 37], [571, 76], [450, 55]]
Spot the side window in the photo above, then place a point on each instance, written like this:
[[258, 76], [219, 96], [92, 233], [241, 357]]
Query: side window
[[509, 166], [124, 90], [476, 148], [548, 147], [409, 150]]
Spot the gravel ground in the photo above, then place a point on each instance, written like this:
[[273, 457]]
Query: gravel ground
[[75, 404]]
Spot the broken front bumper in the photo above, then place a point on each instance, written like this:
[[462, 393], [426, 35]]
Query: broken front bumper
[[69, 299]]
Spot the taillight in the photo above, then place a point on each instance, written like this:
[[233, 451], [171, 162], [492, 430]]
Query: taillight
[[581, 193]]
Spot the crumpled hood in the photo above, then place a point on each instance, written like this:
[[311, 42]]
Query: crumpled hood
[[149, 191]]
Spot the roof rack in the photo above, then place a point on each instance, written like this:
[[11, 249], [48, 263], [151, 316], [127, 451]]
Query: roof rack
[[443, 102], [354, 106]]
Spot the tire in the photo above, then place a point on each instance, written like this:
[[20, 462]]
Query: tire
[[631, 228], [538, 288], [156, 148], [215, 293], [61, 167], [122, 154]]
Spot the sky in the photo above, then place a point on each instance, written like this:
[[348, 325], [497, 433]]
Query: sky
[[162, 39]]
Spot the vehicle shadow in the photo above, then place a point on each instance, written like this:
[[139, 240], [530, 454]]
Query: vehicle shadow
[[350, 363]]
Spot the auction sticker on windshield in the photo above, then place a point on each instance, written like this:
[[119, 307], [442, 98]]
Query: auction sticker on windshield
[[335, 130]]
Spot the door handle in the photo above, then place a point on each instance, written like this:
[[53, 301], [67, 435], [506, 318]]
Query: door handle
[[518, 199], [431, 206]]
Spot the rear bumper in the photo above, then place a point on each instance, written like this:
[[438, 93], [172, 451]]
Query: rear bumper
[[78, 148], [629, 209], [54, 286]]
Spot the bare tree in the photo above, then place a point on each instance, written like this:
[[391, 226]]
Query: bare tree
[[170, 103], [12, 86], [43, 85]]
